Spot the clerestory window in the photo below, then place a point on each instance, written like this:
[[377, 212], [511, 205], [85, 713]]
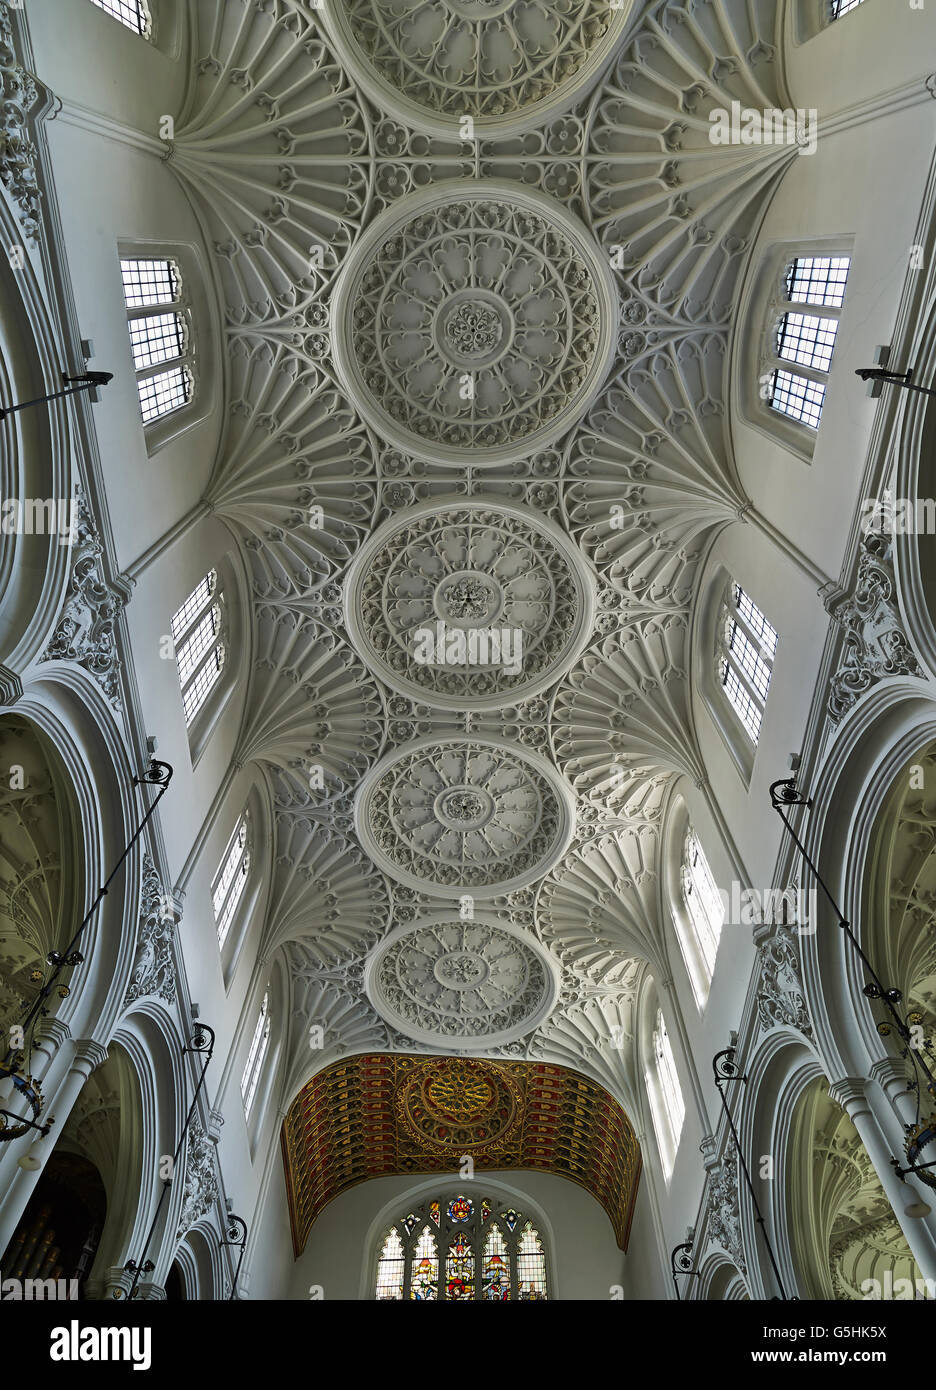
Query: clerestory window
[[745, 651], [160, 335], [197, 635], [132, 13], [798, 364]]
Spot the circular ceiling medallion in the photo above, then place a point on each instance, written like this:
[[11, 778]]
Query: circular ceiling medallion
[[464, 816], [508, 64], [474, 322], [476, 983], [458, 1103], [469, 604]]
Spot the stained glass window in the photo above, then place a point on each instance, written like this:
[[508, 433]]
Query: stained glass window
[[160, 334], [390, 1267], [459, 1270], [531, 1265], [424, 1279], [458, 1248], [495, 1268]]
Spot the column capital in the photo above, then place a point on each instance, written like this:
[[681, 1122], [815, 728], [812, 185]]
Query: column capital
[[89, 1055], [892, 1075], [851, 1093]]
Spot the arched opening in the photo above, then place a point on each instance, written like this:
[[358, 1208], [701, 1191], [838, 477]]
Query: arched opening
[[175, 1284], [846, 1241], [59, 1232]]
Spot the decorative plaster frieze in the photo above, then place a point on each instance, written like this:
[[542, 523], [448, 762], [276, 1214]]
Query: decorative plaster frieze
[[875, 645]]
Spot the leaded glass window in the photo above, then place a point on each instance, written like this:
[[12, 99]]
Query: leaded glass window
[[840, 7], [160, 334], [255, 1057], [746, 650], [460, 1248], [668, 1107], [702, 900], [133, 13], [390, 1267], [805, 340], [197, 632], [231, 880]]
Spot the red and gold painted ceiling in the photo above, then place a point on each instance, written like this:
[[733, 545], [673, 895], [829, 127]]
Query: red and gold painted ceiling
[[382, 1115]]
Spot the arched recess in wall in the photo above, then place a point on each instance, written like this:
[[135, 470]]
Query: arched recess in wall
[[196, 1271], [67, 707], [35, 472], [59, 1232], [105, 1127], [915, 483], [876, 742], [846, 1241], [41, 879], [148, 1036], [719, 1282]]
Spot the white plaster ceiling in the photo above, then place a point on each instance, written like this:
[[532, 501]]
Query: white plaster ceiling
[[579, 259]]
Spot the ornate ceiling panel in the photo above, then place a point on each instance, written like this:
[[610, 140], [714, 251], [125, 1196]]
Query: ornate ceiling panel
[[504, 63], [475, 319], [382, 1115], [475, 983], [464, 816], [479, 260]]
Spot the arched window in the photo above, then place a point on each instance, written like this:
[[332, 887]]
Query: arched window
[[197, 636], [703, 903], [258, 1048], [797, 367], [667, 1103], [133, 13], [232, 879], [460, 1248], [160, 335], [745, 651]]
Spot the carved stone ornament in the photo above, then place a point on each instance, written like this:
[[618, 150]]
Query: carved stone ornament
[[86, 632], [875, 645], [475, 983], [505, 63], [153, 968], [724, 1219], [464, 816], [780, 997], [17, 151], [466, 604], [474, 322], [201, 1178]]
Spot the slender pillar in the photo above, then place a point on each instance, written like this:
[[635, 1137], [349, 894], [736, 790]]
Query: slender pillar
[[852, 1094], [88, 1056]]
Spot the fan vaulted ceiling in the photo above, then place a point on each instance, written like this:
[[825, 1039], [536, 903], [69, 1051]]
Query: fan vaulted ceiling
[[574, 255]]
